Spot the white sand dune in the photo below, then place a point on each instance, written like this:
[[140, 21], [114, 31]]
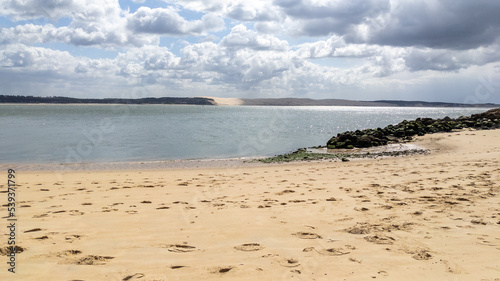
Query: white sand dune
[[226, 101]]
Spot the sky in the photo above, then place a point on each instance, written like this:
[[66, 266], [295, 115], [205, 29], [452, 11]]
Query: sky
[[430, 50]]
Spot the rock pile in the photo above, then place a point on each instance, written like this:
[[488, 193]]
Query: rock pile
[[407, 129]]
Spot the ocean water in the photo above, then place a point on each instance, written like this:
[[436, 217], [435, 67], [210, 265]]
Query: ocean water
[[121, 133]]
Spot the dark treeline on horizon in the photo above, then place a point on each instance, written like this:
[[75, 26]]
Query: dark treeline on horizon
[[59, 100]]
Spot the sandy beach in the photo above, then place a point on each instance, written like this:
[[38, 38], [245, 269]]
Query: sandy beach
[[420, 217]]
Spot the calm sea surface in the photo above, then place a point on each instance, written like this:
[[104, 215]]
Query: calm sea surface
[[115, 133]]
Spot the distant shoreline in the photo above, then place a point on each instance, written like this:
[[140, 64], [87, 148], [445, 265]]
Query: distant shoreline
[[104, 104], [215, 101]]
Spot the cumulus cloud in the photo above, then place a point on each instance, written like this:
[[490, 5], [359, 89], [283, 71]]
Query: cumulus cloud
[[241, 10], [93, 23], [242, 69], [146, 59], [394, 59], [84, 35], [240, 37], [248, 11], [33, 9], [100, 24], [212, 6], [20, 57], [167, 21], [253, 62], [79, 10], [268, 27], [440, 24], [318, 18], [42, 71], [434, 24], [446, 60]]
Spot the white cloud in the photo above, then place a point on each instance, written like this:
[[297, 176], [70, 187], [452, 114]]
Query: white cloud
[[450, 60], [268, 27], [78, 10], [319, 18], [240, 37], [396, 59], [169, 22], [20, 58], [93, 23], [84, 35], [33, 9], [435, 24], [249, 62], [147, 59], [255, 10]]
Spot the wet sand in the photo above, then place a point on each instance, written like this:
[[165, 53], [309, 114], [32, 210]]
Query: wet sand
[[419, 217]]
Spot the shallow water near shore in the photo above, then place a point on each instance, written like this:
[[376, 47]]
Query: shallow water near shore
[[72, 134]]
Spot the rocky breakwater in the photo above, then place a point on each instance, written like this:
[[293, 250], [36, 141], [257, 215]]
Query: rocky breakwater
[[405, 130]]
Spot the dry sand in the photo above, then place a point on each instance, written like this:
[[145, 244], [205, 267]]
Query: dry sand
[[425, 217]]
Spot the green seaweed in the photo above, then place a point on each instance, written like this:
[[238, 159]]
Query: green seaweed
[[305, 155]]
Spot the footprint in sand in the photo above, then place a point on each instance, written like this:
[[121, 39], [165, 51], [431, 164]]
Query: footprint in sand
[[221, 270], [40, 216], [72, 237], [76, 213], [307, 235], [249, 247], [286, 191], [9, 249], [33, 230], [359, 229], [333, 252], [289, 262], [380, 239], [178, 248], [68, 253], [133, 277], [328, 252], [422, 255], [177, 266], [92, 260], [72, 257]]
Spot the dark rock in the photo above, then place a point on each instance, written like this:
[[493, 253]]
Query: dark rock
[[405, 130], [364, 141]]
